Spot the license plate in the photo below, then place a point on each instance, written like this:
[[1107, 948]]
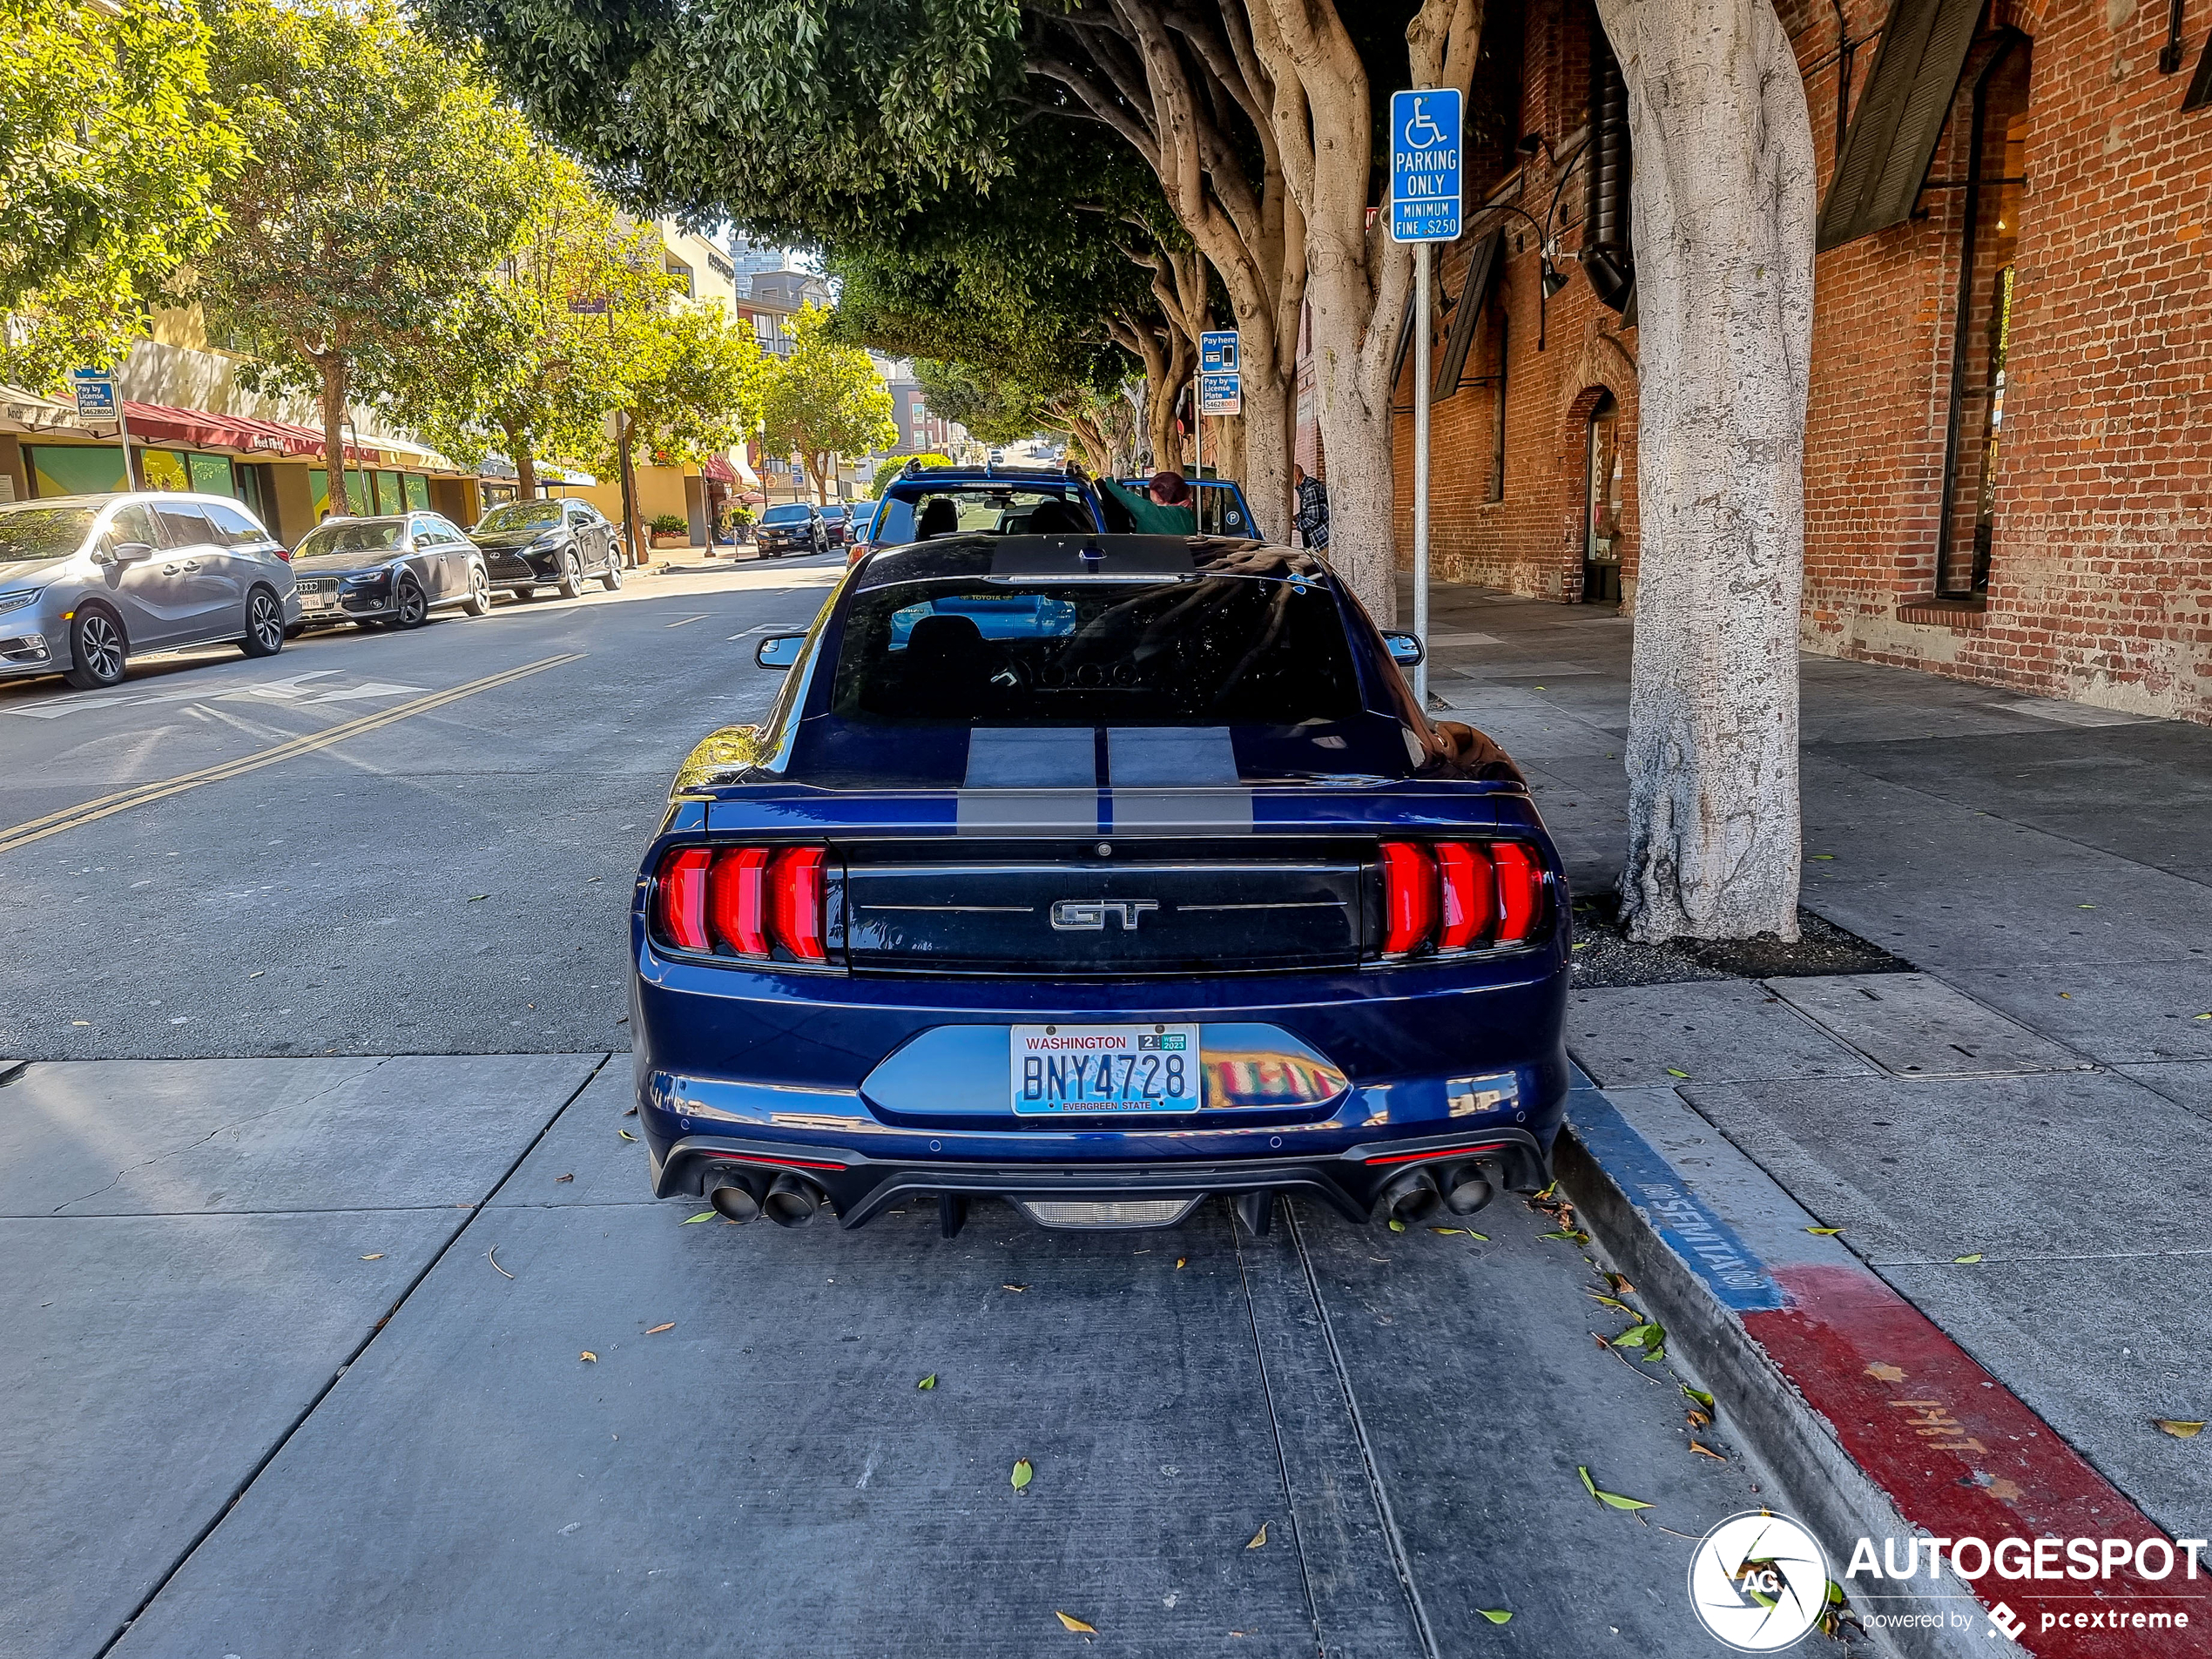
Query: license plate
[[1063, 1068]]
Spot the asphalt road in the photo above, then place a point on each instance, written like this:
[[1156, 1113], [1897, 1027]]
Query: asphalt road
[[451, 882], [341, 1322]]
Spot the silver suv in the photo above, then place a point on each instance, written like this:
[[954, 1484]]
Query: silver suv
[[86, 581]]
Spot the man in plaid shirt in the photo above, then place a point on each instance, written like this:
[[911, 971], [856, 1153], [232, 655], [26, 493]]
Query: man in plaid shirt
[[1312, 519]]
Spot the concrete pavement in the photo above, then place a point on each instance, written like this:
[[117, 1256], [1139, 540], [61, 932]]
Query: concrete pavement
[[2037, 1100]]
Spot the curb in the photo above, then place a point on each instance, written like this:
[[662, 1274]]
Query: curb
[[1877, 1425]]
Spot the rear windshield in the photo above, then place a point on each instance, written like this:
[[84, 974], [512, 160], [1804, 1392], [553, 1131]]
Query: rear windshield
[[1205, 650], [784, 514], [912, 512]]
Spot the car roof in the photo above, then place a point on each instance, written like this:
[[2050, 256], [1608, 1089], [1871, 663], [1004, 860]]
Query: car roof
[[1087, 558], [107, 498], [991, 472]]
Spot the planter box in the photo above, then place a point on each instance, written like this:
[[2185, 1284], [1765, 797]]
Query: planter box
[[671, 538]]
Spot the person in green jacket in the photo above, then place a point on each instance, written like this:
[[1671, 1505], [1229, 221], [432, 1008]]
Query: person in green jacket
[[1163, 507]]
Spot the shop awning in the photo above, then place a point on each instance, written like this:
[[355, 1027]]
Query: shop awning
[[22, 411], [715, 468]]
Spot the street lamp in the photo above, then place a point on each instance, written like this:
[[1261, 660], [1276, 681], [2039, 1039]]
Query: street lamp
[[1550, 279]]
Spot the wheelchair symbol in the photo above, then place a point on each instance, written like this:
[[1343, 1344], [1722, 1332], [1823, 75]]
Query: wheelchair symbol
[[1422, 132]]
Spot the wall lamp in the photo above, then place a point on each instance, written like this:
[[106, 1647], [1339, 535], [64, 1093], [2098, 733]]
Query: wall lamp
[[1550, 279]]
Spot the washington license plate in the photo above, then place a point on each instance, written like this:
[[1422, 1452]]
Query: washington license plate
[[1063, 1068]]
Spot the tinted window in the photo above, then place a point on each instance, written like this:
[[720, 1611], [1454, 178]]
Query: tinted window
[[522, 516], [132, 523], [911, 510], [352, 536], [1205, 651], [795, 513], [183, 524], [232, 525], [29, 533]]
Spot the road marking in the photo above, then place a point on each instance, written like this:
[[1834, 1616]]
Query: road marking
[[680, 621], [294, 688], [142, 794], [771, 628]]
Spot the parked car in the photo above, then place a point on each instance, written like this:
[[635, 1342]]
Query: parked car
[[836, 521], [1102, 879], [794, 527], [532, 544], [87, 581], [1014, 501], [863, 521], [390, 570]]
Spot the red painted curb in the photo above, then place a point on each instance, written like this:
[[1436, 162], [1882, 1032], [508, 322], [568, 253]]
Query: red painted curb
[[1961, 1456]]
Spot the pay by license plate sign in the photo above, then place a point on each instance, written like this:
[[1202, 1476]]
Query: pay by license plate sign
[[1063, 1068]]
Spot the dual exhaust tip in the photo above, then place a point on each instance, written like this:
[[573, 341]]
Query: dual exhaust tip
[[1417, 1194], [744, 1194]]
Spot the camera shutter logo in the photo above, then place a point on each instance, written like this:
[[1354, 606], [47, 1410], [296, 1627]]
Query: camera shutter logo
[[1758, 1583]]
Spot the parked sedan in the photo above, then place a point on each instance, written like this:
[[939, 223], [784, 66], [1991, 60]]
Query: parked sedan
[[837, 521], [395, 571], [795, 527], [532, 544], [1101, 875], [87, 581]]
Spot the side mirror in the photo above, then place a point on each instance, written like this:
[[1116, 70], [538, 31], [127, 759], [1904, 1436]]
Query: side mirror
[[780, 650], [1405, 649], [132, 552]]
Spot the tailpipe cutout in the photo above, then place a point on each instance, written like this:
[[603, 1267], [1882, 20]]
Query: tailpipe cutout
[[792, 1201], [1467, 1187], [1409, 1197], [735, 1195]]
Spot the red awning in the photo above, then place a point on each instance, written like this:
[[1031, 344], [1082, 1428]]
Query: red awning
[[158, 423], [719, 470]]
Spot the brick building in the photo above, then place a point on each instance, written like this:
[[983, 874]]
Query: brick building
[[2009, 468]]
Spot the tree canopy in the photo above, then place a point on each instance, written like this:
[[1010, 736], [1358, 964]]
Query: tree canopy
[[824, 400]]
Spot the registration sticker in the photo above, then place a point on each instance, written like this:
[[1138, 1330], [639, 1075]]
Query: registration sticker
[[1063, 1068]]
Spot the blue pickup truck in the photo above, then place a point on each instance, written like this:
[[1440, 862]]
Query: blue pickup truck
[[1014, 501]]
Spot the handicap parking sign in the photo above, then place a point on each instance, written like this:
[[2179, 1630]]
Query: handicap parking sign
[[1425, 165]]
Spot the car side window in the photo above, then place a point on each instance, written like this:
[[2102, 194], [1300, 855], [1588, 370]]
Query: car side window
[[132, 523], [234, 525], [183, 525], [426, 532]]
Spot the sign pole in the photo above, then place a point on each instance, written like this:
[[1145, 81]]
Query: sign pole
[[123, 436], [1421, 257]]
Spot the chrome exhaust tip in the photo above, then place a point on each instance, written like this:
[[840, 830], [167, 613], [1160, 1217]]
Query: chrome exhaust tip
[[735, 1196]]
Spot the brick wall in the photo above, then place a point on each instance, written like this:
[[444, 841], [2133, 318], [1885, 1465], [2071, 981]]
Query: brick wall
[[2099, 555]]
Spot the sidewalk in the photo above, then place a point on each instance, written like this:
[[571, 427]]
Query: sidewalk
[[2037, 1099]]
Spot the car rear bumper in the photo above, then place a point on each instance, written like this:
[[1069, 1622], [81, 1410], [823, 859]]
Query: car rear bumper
[[861, 1187]]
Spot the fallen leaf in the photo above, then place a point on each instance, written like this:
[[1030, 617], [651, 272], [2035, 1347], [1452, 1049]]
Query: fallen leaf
[[658, 1329], [1180, 1260], [1609, 1301], [1016, 1289], [1706, 1451], [2180, 1430], [257, 973], [1025, 1472], [1698, 1419], [1824, 1232], [1259, 1537], [1611, 1500], [625, 1135], [1396, 1225], [928, 1382], [478, 898], [1447, 1232], [378, 1257], [1647, 1333], [1826, 856], [588, 1355], [2085, 906], [1471, 1233], [559, 1179], [1967, 1261], [492, 1256], [1882, 1372], [2193, 1016], [1069, 1621], [1571, 1234], [1671, 1072], [1495, 1614], [1621, 1286], [703, 1215], [1700, 1396], [632, 1112]]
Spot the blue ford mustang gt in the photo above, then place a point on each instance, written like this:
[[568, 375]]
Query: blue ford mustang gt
[[1101, 874]]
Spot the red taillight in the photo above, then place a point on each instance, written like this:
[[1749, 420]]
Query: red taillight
[[1460, 895], [1465, 873], [681, 897], [795, 880], [1520, 891], [743, 900], [1409, 896], [737, 900], [285, 553]]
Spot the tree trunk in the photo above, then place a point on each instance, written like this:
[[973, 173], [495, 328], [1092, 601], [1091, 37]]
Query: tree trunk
[[518, 451], [331, 364], [633, 527], [1724, 208]]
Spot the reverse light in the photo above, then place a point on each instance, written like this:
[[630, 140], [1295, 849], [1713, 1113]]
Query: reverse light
[[1460, 895], [754, 903]]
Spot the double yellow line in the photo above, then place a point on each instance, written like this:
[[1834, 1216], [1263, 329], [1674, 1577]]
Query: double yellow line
[[143, 794]]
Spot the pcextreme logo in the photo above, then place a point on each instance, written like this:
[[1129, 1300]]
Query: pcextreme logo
[[1758, 1583]]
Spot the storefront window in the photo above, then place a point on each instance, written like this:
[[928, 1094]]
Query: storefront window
[[164, 470], [210, 474], [357, 487], [75, 469], [1602, 487], [418, 492], [388, 497]]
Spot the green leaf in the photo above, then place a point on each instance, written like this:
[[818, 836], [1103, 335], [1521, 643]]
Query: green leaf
[[1644, 1335], [1824, 1232], [703, 1215], [1495, 1614], [1671, 1072], [1396, 1225], [625, 1135], [1611, 1500], [1700, 1396], [1024, 1472], [930, 1382], [1967, 1261]]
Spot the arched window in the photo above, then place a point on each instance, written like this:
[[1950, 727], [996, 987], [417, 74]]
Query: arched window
[[1601, 491]]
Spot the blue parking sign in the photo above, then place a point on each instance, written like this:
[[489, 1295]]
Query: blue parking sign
[[1218, 352], [1425, 165], [95, 390]]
